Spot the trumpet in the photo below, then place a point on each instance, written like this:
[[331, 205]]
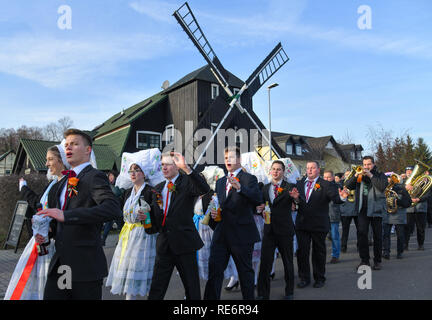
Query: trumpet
[[354, 170]]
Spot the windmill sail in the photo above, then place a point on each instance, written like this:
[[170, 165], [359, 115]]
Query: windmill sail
[[270, 65]]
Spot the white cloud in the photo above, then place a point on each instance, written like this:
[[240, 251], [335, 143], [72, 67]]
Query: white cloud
[[157, 10], [54, 62]]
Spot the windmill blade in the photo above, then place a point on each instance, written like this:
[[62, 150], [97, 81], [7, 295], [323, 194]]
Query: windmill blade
[[188, 22], [270, 65]]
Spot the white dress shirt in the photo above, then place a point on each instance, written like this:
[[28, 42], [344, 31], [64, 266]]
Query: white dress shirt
[[271, 190], [228, 184], [311, 188], [77, 171], [165, 192]]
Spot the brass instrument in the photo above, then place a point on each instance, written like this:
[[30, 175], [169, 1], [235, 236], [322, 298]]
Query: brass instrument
[[420, 182], [351, 196], [354, 170], [391, 195]]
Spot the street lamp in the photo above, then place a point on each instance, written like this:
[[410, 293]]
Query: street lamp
[[270, 87]]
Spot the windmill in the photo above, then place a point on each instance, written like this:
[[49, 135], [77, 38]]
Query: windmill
[[269, 66]]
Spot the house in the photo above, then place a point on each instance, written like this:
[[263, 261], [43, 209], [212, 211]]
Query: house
[[6, 162], [31, 156], [173, 116], [330, 154]]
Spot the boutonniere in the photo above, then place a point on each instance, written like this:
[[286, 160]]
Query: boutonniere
[[71, 186], [317, 187], [158, 199], [280, 190], [171, 187]]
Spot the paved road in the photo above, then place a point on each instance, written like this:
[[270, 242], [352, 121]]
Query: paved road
[[409, 278]]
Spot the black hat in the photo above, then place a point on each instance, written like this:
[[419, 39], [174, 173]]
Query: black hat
[[409, 168]]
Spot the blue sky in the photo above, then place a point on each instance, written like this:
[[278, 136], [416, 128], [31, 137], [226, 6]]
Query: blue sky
[[340, 79]]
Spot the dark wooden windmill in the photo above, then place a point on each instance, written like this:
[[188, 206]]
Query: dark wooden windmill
[[269, 66]]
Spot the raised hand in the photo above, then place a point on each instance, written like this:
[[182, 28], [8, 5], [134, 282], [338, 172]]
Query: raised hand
[[294, 193], [180, 162]]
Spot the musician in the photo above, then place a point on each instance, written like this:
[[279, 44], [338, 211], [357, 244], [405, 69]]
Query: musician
[[370, 206], [398, 219], [348, 213], [416, 215]]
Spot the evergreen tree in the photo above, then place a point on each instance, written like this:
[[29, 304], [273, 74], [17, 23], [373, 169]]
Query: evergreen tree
[[422, 151], [408, 155]]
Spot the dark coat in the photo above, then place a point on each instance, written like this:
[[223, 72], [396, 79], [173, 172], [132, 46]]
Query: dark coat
[[237, 226], [179, 232], [78, 238], [403, 202], [314, 215], [376, 205], [281, 222]]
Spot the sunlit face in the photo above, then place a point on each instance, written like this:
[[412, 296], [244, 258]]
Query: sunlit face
[[77, 152], [277, 171], [368, 164], [328, 176], [54, 164], [347, 173], [232, 163], [408, 172], [312, 170], [136, 174], [169, 168]]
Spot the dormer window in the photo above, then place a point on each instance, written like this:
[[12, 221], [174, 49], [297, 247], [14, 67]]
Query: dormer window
[[214, 91], [353, 157], [298, 149], [289, 148]]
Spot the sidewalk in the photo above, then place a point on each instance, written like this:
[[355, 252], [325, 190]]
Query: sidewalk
[[9, 259]]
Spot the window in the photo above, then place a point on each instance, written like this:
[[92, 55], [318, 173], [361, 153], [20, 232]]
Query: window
[[289, 148], [359, 155], [298, 149], [352, 155], [148, 140], [214, 91], [169, 134], [329, 145]]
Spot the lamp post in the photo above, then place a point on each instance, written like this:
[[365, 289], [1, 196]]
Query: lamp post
[[269, 88]]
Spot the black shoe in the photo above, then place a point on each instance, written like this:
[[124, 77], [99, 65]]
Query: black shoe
[[272, 276], [421, 248], [289, 297], [303, 284], [399, 256], [235, 285], [318, 284], [334, 260], [377, 266], [386, 256]]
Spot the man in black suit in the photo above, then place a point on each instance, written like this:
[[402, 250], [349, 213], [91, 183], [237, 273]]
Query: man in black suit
[[279, 233], [313, 223], [178, 240], [236, 233], [80, 213]]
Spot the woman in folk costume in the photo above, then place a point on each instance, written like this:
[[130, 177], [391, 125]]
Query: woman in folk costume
[[132, 265], [211, 174], [29, 277]]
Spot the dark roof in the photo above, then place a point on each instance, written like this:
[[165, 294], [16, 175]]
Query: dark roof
[[4, 155], [128, 115], [36, 152], [204, 74]]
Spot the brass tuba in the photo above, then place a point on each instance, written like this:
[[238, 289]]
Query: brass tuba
[[391, 195], [420, 182]]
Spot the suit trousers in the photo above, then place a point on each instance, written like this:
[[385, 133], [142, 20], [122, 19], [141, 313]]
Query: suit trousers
[[218, 261], [419, 220], [284, 244], [88, 290], [400, 233], [346, 222], [187, 267], [304, 239], [363, 230]]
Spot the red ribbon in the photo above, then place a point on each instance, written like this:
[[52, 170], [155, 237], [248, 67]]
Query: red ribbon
[[166, 206], [16, 295]]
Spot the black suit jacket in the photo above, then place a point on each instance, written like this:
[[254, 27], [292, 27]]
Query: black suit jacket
[[237, 226], [314, 215], [179, 232], [78, 238], [281, 222]]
